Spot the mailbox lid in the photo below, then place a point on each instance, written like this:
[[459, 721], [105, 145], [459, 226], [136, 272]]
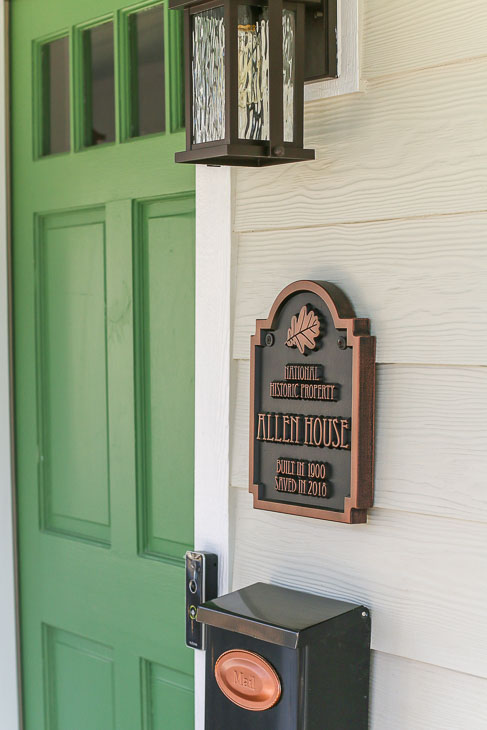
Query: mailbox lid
[[278, 615]]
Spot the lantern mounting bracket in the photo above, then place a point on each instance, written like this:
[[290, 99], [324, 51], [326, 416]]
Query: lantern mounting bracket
[[321, 48]]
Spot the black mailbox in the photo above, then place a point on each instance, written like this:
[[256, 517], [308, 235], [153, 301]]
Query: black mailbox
[[279, 659]]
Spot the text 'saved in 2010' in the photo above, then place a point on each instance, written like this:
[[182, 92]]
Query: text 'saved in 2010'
[[312, 406]]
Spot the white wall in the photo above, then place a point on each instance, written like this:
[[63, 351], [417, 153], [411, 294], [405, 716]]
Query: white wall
[[394, 211], [8, 658]]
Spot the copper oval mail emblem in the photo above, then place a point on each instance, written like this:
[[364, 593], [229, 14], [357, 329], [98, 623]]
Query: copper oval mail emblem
[[248, 680]]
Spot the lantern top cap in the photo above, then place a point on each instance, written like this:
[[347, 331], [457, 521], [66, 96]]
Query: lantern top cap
[[174, 4]]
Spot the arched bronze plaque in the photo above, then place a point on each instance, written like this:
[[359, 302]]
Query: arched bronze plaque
[[248, 680], [312, 406]]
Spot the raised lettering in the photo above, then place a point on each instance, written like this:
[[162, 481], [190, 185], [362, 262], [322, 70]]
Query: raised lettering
[[317, 433], [276, 428], [295, 429], [336, 442], [327, 436], [285, 422], [308, 423], [261, 428]]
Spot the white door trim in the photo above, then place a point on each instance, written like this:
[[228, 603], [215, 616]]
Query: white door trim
[[9, 698], [213, 358]]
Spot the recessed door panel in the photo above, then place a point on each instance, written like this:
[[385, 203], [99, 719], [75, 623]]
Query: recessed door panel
[[79, 682], [169, 698], [165, 294], [72, 375]]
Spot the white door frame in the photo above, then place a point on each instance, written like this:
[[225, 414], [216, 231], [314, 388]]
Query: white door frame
[[9, 694], [213, 357]]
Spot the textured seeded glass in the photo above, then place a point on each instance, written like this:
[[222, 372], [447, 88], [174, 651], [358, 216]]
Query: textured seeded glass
[[55, 96], [208, 71], [147, 67], [253, 72], [99, 85], [289, 60]]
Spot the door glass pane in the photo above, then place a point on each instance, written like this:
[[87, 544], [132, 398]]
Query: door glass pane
[[208, 70], [147, 68], [99, 85], [55, 96]]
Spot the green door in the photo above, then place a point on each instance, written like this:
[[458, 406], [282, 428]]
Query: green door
[[103, 252]]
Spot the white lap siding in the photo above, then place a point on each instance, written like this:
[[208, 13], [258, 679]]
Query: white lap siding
[[394, 211]]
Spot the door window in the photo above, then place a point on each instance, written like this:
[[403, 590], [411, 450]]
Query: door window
[[54, 118], [98, 84], [147, 71]]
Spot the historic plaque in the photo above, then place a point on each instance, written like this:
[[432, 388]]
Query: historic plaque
[[312, 387]]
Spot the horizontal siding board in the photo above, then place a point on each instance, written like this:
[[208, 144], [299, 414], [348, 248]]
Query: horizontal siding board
[[421, 281], [422, 577], [400, 37], [407, 695], [431, 439], [411, 145], [431, 445]]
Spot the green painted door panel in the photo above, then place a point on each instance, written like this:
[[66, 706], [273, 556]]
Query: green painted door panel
[[72, 383], [165, 269], [103, 254], [170, 694], [79, 682]]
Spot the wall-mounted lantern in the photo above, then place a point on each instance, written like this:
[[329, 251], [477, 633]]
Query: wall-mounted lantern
[[245, 67]]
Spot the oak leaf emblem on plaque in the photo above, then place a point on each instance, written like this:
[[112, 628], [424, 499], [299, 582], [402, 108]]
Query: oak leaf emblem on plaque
[[304, 329]]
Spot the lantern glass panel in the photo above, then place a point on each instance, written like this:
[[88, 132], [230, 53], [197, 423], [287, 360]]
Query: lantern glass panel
[[253, 72], [289, 70], [208, 72]]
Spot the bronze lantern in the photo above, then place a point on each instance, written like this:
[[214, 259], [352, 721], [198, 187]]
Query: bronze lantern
[[245, 74]]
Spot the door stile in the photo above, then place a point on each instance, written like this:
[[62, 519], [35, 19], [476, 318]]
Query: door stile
[[129, 697], [120, 363]]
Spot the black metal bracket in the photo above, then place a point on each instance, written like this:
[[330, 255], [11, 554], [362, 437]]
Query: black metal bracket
[[321, 46]]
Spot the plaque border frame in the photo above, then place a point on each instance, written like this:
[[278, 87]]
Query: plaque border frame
[[363, 403]]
